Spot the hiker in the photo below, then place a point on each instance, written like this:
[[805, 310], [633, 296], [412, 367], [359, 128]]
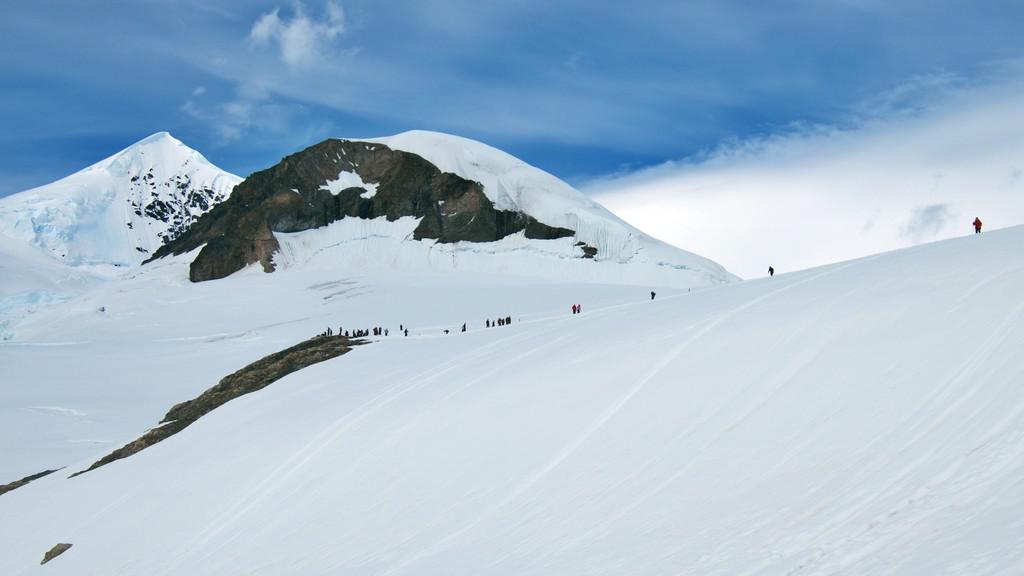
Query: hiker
[[508, 320], [574, 309], [406, 331], [488, 322], [386, 331], [463, 326], [977, 225], [579, 308], [771, 272], [652, 294], [446, 331], [400, 327]]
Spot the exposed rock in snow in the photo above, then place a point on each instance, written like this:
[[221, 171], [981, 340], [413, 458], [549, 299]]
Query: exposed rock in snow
[[458, 190]]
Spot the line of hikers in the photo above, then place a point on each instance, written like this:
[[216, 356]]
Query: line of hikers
[[492, 323], [361, 333]]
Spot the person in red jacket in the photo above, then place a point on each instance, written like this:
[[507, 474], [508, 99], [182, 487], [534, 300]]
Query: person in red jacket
[[977, 225]]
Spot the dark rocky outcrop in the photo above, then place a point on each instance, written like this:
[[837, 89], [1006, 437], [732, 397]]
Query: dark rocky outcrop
[[253, 377], [57, 550], [288, 198], [588, 251], [182, 203], [5, 488]]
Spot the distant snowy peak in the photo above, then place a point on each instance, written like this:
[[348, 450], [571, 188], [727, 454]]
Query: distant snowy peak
[[121, 209]]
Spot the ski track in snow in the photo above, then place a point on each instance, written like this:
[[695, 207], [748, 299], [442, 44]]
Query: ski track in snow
[[600, 421], [336, 434]]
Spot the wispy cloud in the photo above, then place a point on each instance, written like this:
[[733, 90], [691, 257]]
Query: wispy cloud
[[300, 39], [927, 222], [230, 119]]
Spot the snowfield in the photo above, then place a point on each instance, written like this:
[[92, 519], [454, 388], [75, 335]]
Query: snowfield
[[860, 418]]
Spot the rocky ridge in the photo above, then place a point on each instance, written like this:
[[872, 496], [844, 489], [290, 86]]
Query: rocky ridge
[[337, 179]]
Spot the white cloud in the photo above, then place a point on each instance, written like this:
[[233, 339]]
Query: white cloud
[[821, 195], [199, 91], [229, 120], [300, 39]]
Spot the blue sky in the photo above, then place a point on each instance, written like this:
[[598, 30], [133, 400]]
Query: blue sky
[[581, 89]]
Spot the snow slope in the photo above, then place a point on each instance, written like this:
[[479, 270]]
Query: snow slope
[[376, 244], [32, 280], [861, 418], [119, 210]]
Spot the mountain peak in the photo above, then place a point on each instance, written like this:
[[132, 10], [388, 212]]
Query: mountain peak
[[162, 136], [156, 149], [120, 209]]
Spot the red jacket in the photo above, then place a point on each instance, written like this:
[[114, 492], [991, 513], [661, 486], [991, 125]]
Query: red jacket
[[977, 222]]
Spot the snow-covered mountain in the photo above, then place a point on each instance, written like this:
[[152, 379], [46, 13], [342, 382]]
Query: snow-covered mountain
[[425, 200], [121, 209], [861, 418]]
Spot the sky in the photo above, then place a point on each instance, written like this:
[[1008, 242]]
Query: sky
[[722, 126]]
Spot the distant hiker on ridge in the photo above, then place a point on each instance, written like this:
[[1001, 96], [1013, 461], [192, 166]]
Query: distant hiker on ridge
[[652, 294], [977, 225], [771, 271]]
